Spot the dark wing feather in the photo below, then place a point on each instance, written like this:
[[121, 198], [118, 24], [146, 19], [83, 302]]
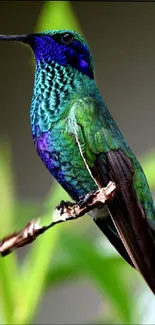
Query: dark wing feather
[[100, 172], [130, 219], [128, 215], [101, 143]]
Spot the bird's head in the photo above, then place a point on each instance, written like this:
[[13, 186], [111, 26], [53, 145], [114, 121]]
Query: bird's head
[[66, 47]]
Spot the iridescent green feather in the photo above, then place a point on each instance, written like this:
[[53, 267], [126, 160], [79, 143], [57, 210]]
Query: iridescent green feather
[[98, 134]]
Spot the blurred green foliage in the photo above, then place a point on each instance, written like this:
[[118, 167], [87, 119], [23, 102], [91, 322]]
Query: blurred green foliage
[[65, 251]]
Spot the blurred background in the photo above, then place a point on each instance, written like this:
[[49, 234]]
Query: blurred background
[[72, 275]]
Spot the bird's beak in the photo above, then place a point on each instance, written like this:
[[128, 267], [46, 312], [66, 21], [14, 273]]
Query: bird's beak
[[17, 38]]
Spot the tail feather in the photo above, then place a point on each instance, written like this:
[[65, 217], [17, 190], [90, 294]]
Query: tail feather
[[131, 222]]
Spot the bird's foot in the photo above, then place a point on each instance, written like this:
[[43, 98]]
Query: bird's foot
[[64, 205]]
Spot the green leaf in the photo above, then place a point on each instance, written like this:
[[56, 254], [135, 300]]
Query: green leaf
[[24, 211], [34, 272], [148, 163], [59, 272], [103, 271], [58, 15], [8, 266], [64, 267], [7, 194]]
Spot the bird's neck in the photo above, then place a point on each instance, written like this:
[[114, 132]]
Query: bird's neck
[[56, 88]]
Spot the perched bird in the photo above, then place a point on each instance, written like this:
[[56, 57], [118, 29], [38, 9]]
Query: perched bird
[[81, 145]]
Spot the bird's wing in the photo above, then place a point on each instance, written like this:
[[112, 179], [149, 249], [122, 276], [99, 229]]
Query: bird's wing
[[108, 157]]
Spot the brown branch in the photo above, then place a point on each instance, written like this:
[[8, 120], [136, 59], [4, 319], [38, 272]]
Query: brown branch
[[67, 211]]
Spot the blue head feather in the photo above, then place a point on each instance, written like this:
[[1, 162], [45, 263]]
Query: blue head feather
[[49, 46]]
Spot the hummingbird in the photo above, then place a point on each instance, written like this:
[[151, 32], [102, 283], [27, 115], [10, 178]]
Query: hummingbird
[[81, 145]]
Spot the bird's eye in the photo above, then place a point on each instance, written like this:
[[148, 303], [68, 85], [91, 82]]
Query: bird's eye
[[67, 38]]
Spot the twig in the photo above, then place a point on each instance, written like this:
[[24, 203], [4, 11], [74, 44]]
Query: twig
[[66, 210]]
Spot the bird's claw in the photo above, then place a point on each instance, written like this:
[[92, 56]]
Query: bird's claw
[[64, 205]]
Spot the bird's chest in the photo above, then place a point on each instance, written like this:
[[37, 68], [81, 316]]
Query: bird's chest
[[60, 154]]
